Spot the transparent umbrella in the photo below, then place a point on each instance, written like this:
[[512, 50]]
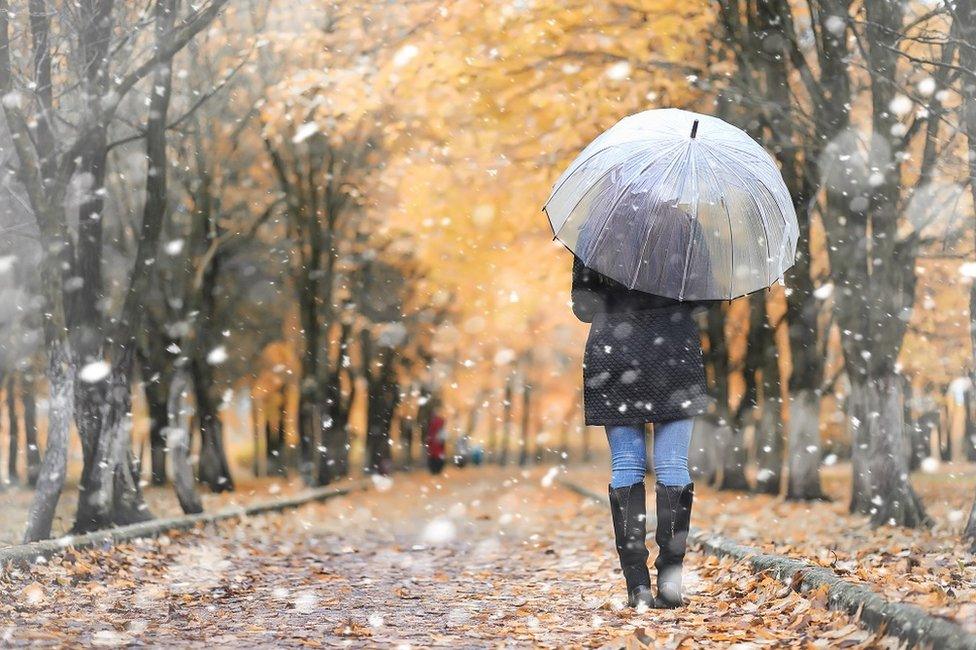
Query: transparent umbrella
[[677, 204]]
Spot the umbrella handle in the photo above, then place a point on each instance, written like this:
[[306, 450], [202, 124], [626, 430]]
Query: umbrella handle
[[694, 129]]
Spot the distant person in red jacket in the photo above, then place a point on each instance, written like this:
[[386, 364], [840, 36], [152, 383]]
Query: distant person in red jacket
[[434, 442]]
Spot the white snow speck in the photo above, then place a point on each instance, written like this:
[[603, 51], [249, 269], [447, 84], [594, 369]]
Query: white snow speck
[[304, 132], [550, 477], [94, 372], [835, 25], [967, 269], [306, 602], [381, 483], [926, 87], [7, 263], [504, 357], [439, 531], [930, 465], [900, 105], [824, 291], [405, 55], [109, 639], [12, 100], [174, 247], [618, 71], [217, 356]]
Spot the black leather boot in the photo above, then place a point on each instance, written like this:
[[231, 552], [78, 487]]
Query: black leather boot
[[628, 507], [673, 521]]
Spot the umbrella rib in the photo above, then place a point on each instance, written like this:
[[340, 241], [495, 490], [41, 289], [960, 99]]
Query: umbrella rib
[[728, 218], [583, 195], [684, 271], [610, 212], [633, 280], [691, 241], [562, 181], [762, 221]]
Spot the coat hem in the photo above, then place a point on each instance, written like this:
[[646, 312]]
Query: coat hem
[[651, 418]]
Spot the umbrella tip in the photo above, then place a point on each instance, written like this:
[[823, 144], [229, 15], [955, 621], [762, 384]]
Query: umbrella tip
[[694, 129]]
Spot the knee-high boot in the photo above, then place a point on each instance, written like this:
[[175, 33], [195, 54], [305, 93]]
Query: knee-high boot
[[628, 507], [673, 521]]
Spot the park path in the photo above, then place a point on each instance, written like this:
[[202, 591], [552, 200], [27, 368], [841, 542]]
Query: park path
[[474, 558]]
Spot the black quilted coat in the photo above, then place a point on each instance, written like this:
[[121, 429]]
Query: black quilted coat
[[643, 359]]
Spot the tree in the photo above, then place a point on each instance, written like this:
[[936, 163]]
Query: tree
[[52, 152], [761, 45], [964, 23]]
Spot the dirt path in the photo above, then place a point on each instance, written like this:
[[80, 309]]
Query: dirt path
[[473, 559]]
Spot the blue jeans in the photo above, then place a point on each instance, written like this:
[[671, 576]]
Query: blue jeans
[[628, 453]]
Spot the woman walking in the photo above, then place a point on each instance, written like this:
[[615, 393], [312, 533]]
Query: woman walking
[[664, 210], [643, 363]]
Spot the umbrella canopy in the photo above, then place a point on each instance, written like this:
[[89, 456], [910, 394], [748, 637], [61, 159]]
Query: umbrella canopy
[[677, 204]]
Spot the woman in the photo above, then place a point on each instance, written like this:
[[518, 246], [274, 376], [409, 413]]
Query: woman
[[643, 363]]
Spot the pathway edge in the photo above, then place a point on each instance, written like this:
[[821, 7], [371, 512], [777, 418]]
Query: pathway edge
[[35, 551]]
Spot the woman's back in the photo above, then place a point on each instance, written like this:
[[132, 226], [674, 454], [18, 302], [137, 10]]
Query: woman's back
[[594, 293]]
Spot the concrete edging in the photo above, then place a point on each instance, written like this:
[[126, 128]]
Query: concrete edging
[[909, 623], [27, 553]]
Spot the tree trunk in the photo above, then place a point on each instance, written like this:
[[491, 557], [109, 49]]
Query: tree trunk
[[408, 425], [61, 376], [970, 532], [945, 434], [13, 430], [213, 468], [474, 414], [893, 501], [507, 418], [382, 397], [342, 442], [525, 441], [27, 388], [859, 434], [177, 434], [803, 480], [913, 432], [156, 371], [156, 400], [702, 450], [769, 434], [274, 445], [110, 493], [309, 393], [969, 434], [733, 449], [255, 435], [491, 451], [570, 423], [965, 22]]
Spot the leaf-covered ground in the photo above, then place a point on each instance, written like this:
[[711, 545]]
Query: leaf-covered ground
[[471, 559]]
